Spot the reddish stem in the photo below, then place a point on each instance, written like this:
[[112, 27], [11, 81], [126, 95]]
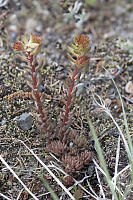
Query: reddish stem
[[69, 97], [35, 88]]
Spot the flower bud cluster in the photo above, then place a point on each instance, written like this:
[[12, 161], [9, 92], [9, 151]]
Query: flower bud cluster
[[32, 46], [79, 50]]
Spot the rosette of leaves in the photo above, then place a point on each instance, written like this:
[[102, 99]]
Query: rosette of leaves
[[77, 142], [68, 181], [74, 164], [56, 147], [78, 139]]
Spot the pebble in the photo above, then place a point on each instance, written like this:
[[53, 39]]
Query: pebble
[[13, 35], [2, 49], [129, 87], [25, 121], [90, 170], [71, 145], [130, 69], [59, 68], [131, 99], [3, 3], [112, 96], [3, 122], [33, 24], [13, 28], [108, 102], [6, 57], [41, 88], [112, 93], [120, 10]]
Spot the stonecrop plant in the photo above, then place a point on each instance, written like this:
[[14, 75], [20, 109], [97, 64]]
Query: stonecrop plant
[[59, 135], [30, 49], [78, 50]]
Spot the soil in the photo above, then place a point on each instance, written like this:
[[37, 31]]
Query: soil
[[109, 24]]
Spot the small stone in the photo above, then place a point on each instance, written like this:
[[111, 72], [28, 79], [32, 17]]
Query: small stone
[[41, 88], [71, 145], [90, 170], [59, 68], [108, 102], [25, 121], [131, 100], [3, 122], [13, 28], [112, 93], [6, 57], [33, 24], [129, 87], [112, 90], [120, 10], [130, 69], [3, 3], [13, 35]]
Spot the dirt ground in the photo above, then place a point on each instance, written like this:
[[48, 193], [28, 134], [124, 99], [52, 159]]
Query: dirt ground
[[109, 25]]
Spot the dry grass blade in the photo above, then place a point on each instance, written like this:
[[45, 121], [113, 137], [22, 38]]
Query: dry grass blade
[[103, 107], [102, 160], [49, 171], [117, 161], [98, 167], [100, 185], [122, 171], [101, 170], [15, 175], [91, 189], [19, 194], [83, 188], [5, 197], [122, 136], [125, 123]]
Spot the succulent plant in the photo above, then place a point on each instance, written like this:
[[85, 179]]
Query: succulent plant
[[56, 147], [63, 141]]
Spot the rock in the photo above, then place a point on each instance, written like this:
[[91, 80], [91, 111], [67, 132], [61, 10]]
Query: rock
[[13, 28], [59, 68], [3, 122], [3, 3], [112, 90], [108, 102], [25, 121], [131, 100], [120, 10], [129, 87], [130, 69], [41, 88], [71, 145], [32, 25], [90, 170], [13, 35], [112, 93], [6, 57]]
